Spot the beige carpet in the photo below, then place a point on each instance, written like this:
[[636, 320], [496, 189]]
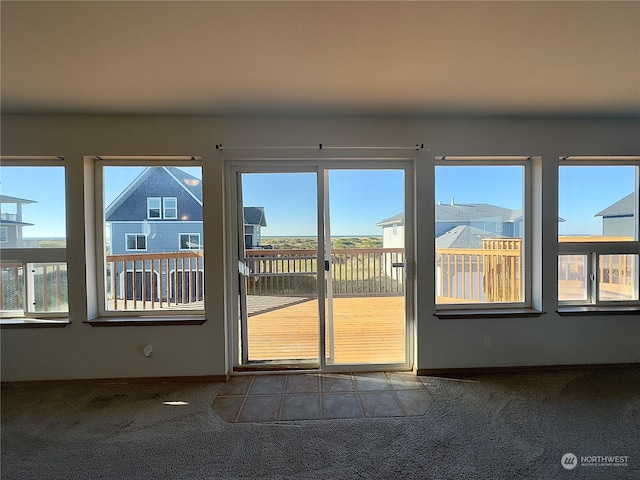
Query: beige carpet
[[506, 426]]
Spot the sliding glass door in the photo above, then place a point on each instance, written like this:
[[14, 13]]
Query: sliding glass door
[[338, 234]]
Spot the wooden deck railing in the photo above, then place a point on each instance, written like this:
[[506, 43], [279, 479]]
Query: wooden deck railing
[[47, 286], [616, 274], [154, 280], [492, 273], [370, 271]]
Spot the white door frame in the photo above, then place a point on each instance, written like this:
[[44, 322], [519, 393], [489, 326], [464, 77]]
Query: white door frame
[[273, 164]]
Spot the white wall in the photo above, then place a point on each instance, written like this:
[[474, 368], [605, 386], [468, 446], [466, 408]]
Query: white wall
[[82, 351]]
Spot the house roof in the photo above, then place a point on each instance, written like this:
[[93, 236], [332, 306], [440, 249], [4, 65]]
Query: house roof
[[474, 211], [191, 184], [395, 220], [9, 199], [464, 236], [13, 222], [622, 208], [255, 216], [462, 212]]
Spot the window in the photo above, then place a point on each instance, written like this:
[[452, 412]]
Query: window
[[153, 208], [33, 277], [136, 241], [481, 230], [190, 241], [598, 246], [150, 268], [170, 208]]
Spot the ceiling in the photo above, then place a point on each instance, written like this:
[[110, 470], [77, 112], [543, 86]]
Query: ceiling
[[360, 58]]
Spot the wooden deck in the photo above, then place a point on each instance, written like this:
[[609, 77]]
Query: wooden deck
[[366, 330]]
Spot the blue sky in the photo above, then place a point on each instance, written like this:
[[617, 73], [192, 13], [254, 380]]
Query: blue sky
[[359, 199]]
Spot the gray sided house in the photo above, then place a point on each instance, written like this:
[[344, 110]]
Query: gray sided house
[[254, 220], [11, 223], [160, 211], [483, 216], [621, 218], [481, 219]]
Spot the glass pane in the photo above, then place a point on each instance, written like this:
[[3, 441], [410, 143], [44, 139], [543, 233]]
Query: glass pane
[[618, 277], [12, 288], [49, 287], [597, 203], [146, 266], [365, 308], [32, 207], [280, 266], [573, 277], [479, 234]]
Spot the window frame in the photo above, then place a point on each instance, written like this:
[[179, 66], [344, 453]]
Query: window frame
[[4, 235], [26, 256], [165, 208], [189, 249], [462, 310], [149, 208], [593, 250], [137, 235], [131, 317]]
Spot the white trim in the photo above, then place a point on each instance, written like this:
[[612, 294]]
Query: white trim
[[149, 208], [315, 165], [593, 250], [524, 161]]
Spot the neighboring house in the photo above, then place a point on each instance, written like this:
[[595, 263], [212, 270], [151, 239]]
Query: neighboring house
[[11, 224], [619, 219], [392, 231], [254, 220], [464, 236], [161, 211], [483, 220]]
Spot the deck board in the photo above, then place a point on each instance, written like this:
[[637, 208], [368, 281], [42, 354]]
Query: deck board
[[366, 330]]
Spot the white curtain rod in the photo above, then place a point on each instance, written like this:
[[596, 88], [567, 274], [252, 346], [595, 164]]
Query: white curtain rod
[[320, 146]]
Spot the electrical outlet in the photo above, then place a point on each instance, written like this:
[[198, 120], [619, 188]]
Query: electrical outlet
[[487, 340]]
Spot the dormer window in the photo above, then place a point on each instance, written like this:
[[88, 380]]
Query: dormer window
[[153, 208]]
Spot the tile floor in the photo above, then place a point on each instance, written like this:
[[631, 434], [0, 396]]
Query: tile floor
[[269, 398]]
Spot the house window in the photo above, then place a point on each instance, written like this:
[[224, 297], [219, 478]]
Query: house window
[[33, 269], [598, 261], [170, 208], [136, 241], [146, 272], [153, 208], [481, 230], [190, 241]]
